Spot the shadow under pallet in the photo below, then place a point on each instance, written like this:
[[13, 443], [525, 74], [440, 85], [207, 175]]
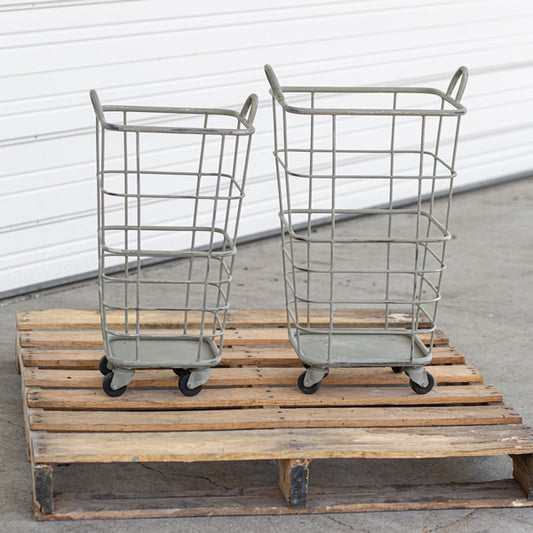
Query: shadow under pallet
[[251, 410]]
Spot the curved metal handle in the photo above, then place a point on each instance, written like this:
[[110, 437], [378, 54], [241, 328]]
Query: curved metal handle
[[97, 106], [274, 84], [461, 74], [249, 108]]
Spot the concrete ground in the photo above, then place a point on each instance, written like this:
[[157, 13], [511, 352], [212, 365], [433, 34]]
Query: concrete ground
[[486, 312]]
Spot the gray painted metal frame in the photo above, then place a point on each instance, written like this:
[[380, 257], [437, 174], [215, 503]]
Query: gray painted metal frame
[[420, 126], [142, 202]]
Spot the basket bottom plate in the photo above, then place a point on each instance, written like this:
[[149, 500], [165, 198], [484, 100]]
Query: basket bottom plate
[[171, 353], [361, 349]]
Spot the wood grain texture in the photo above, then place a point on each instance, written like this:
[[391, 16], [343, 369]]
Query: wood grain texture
[[231, 377], [76, 319], [43, 488], [377, 443], [210, 398], [293, 481], [278, 417], [269, 501], [523, 472]]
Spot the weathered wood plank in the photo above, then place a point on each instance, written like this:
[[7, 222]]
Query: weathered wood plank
[[228, 377], [43, 488], [502, 494], [227, 419], [138, 399], [293, 481], [72, 319], [235, 337], [269, 501], [297, 443], [523, 472], [87, 359]]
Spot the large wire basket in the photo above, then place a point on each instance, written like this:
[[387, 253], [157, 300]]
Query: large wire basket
[[358, 151], [170, 186]]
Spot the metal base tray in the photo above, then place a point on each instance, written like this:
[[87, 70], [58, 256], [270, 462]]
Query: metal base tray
[[164, 353], [359, 349]]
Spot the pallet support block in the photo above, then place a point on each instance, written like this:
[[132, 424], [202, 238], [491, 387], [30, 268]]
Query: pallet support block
[[294, 481], [43, 488], [523, 472]]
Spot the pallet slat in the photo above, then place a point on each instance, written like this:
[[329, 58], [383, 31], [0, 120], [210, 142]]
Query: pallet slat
[[268, 500], [227, 419], [140, 399], [164, 378], [76, 319], [280, 443]]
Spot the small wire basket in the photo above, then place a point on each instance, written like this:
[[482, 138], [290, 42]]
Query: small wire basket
[[170, 186], [337, 148]]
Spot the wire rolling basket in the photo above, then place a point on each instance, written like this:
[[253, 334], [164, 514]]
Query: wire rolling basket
[[170, 187], [339, 150]]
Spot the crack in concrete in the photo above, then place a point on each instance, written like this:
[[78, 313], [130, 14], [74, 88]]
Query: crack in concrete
[[349, 526], [452, 523], [10, 422]]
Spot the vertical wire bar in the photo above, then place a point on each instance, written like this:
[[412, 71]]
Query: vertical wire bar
[[100, 154], [447, 219], [126, 227], [280, 201], [225, 243], [194, 228], [391, 199], [289, 221], [414, 316], [211, 244], [332, 238], [236, 229], [310, 207], [430, 211], [139, 243], [281, 210]]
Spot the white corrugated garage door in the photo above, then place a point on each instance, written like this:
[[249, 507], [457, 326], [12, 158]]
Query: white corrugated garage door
[[156, 52]]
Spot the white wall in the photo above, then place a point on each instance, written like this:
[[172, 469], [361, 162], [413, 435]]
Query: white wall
[[157, 52]]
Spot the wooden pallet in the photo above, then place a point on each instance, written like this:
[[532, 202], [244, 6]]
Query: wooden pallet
[[251, 409]]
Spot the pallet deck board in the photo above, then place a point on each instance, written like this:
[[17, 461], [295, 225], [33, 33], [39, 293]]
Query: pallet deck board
[[251, 409], [260, 396], [82, 319], [281, 443], [226, 419], [268, 500], [245, 376]]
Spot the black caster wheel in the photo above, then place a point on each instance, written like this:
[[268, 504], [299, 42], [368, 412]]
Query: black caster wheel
[[423, 390], [102, 366], [307, 390], [106, 385], [397, 369], [182, 384], [180, 371]]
